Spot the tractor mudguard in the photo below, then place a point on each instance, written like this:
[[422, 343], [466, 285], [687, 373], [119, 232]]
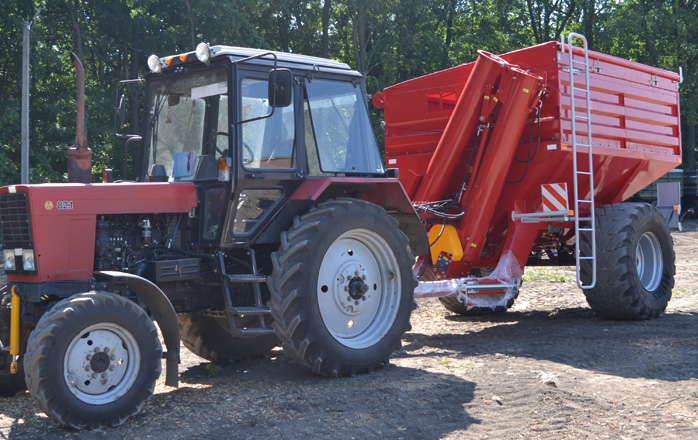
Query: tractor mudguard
[[387, 193], [162, 311]]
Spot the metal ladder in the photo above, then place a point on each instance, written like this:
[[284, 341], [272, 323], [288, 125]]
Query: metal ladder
[[259, 309], [585, 175]]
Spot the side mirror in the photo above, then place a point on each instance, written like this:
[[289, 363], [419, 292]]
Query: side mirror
[[121, 111], [280, 86]]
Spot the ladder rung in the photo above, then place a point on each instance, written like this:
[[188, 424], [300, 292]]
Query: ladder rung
[[579, 89], [587, 173], [253, 331], [247, 278], [587, 258], [252, 310]]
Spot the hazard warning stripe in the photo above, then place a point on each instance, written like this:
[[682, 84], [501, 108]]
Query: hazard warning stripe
[[554, 196]]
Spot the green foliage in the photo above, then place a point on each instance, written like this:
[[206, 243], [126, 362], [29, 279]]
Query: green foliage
[[388, 40]]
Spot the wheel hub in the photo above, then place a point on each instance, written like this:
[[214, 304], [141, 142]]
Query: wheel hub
[[351, 289], [100, 362]]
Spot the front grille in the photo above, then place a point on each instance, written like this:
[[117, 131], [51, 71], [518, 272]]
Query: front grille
[[14, 218]]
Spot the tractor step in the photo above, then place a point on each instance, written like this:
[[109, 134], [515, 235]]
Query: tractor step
[[246, 278], [251, 310], [251, 332]]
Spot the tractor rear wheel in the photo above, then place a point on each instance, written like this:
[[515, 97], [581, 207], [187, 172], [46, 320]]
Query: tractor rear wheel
[[93, 360], [211, 338], [635, 262], [342, 288], [10, 384]]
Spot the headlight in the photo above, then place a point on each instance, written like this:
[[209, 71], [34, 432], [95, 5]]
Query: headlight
[[154, 64], [203, 52], [28, 263], [8, 256]]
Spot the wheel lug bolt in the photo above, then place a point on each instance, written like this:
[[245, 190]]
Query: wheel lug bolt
[[363, 277], [356, 303], [96, 349], [94, 375], [346, 288], [112, 357], [88, 357], [104, 375], [356, 273], [106, 349], [349, 298], [87, 368], [111, 368]]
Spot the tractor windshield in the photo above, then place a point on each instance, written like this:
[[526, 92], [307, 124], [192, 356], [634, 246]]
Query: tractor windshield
[[187, 123]]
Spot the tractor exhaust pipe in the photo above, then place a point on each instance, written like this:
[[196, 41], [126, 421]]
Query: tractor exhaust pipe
[[79, 155]]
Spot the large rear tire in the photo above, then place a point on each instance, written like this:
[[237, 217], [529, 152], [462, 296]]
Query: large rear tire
[[211, 338], [93, 360], [635, 262], [11, 384], [342, 288]]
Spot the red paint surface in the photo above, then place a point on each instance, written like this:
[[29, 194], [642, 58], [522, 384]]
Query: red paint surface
[[64, 239], [635, 137]]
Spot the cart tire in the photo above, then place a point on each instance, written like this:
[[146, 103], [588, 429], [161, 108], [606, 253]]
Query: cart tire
[[72, 375], [211, 338], [635, 262], [452, 304], [342, 288], [10, 384]]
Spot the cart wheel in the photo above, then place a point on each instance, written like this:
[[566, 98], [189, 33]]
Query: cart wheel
[[635, 262], [452, 304], [342, 288], [210, 337], [93, 360]]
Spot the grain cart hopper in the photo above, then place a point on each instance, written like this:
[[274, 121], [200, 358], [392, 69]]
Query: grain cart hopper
[[524, 159], [260, 214]]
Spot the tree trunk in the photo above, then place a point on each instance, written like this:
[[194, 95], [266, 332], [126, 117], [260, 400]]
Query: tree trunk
[[689, 150], [192, 25], [326, 9]]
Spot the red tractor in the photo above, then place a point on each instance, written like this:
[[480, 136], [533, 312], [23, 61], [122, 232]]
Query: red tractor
[[261, 214]]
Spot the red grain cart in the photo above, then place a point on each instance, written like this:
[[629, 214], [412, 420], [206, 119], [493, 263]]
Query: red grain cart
[[500, 157]]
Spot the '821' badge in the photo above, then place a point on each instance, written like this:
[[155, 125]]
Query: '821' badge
[[64, 204]]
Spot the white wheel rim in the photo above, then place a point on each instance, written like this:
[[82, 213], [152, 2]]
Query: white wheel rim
[[101, 363], [358, 288], [650, 265]]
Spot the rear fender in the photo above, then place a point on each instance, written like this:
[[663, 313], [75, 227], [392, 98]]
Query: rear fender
[[162, 311], [387, 193]]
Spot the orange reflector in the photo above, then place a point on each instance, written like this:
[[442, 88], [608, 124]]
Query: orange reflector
[[570, 213], [168, 61], [183, 57], [676, 207], [223, 169]]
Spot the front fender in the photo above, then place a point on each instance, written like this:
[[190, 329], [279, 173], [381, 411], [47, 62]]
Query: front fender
[[162, 311]]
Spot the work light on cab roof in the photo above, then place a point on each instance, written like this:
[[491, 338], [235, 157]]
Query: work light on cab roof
[[156, 64]]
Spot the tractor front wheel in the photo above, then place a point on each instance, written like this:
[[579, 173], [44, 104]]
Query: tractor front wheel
[[93, 360], [635, 262], [342, 288]]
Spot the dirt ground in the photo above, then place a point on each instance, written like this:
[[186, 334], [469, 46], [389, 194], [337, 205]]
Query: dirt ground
[[547, 369]]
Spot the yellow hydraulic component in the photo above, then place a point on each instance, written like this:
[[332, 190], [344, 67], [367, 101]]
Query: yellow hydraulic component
[[14, 330], [448, 242]]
